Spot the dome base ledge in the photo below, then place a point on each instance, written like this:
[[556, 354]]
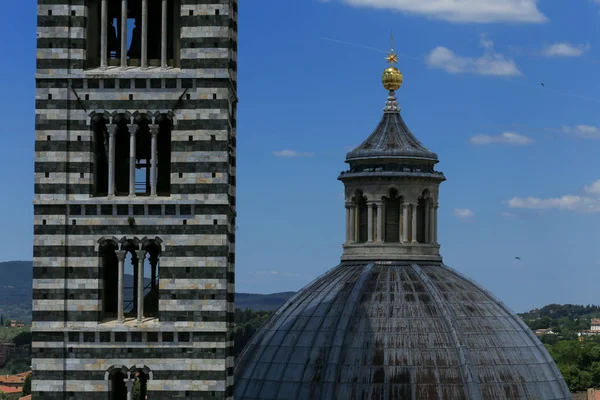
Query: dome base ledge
[[391, 252]]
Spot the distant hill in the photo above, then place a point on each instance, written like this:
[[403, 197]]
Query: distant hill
[[16, 273], [15, 292], [267, 302], [15, 289]]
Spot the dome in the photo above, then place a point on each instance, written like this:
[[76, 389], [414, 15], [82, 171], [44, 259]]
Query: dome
[[392, 321], [396, 330], [391, 139]]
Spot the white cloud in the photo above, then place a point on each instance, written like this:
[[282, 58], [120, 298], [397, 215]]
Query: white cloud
[[463, 213], [490, 63], [507, 214], [291, 153], [269, 272], [564, 49], [478, 11], [594, 188], [583, 131], [588, 201], [273, 272], [505, 138]]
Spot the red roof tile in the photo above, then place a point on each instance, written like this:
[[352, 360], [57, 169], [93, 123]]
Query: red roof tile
[[12, 379], [10, 390]]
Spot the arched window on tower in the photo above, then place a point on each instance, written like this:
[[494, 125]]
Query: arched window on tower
[[392, 217], [118, 387], [140, 385], [130, 269], [109, 271], [164, 155], [143, 157], [363, 216], [99, 148], [122, 153], [151, 281], [104, 45], [423, 217]]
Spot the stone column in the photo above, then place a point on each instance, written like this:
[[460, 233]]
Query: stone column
[[144, 61], [153, 160], [426, 227], [431, 224], [123, 33], [435, 225], [379, 222], [121, 285], [353, 223], [414, 223], [104, 35], [132, 133], [163, 36], [129, 384], [348, 230], [369, 222], [141, 254], [405, 222], [112, 131]]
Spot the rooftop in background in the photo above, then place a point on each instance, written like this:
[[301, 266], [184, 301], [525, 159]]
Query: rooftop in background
[[12, 380], [10, 390]]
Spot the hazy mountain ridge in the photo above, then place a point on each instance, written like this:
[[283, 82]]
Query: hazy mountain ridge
[[15, 292]]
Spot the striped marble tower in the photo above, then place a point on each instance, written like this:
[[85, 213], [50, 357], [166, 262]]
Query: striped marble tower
[[134, 199]]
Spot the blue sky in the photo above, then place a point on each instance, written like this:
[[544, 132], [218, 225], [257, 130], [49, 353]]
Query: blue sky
[[521, 158]]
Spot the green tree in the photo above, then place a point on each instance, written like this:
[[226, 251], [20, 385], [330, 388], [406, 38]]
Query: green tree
[[595, 371], [27, 385], [23, 338], [549, 339], [137, 389]]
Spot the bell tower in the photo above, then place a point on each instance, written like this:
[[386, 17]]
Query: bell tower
[[391, 189], [135, 199]]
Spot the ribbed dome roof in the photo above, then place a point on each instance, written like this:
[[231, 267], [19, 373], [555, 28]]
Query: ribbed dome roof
[[396, 331], [391, 139]]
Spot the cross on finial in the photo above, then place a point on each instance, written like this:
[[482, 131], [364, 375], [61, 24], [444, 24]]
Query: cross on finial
[[392, 57]]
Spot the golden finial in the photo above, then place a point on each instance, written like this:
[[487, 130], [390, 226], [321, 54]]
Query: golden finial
[[392, 77], [392, 57]]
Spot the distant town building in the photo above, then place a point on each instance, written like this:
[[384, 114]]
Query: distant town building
[[14, 381], [593, 394], [10, 390], [547, 331], [17, 324], [594, 328]]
